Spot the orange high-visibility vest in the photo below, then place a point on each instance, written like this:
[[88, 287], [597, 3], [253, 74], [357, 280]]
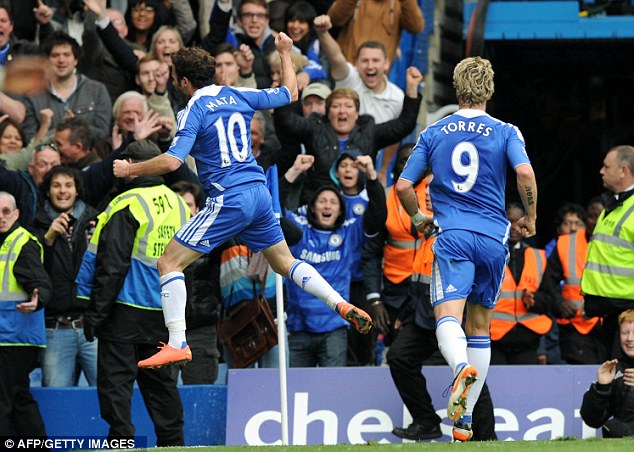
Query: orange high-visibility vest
[[423, 262], [400, 247], [573, 249], [510, 310]]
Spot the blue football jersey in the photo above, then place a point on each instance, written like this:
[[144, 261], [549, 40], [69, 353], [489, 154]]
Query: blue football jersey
[[215, 129], [330, 252], [468, 153]]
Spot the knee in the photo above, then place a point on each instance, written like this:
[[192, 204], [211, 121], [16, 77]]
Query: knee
[[162, 266], [167, 265], [281, 266]]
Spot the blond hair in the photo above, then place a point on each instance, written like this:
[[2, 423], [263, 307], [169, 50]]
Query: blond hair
[[473, 81], [626, 316]]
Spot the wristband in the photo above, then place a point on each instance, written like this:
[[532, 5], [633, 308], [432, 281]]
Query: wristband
[[418, 218]]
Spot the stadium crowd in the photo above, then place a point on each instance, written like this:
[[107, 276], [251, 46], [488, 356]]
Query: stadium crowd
[[87, 82]]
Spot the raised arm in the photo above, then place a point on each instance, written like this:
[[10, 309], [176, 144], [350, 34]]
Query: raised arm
[[218, 25], [283, 44], [338, 65]]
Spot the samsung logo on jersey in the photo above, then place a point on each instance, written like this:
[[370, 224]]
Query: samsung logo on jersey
[[220, 101], [463, 126], [317, 258]]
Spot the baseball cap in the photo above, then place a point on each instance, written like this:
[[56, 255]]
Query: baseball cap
[[142, 150], [316, 89]]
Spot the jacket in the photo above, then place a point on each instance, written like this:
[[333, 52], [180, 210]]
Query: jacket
[[608, 272], [112, 261], [21, 262], [90, 101], [62, 260], [611, 406]]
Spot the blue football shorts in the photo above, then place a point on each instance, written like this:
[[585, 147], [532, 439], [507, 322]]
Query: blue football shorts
[[245, 212], [468, 265]]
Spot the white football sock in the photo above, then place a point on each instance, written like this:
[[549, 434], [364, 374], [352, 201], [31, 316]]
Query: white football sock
[[479, 353], [173, 300], [452, 342], [306, 277]]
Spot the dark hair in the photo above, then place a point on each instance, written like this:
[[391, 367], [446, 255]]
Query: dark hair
[[342, 207], [371, 45], [262, 3], [79, 132], [223, 47], [188, 187], [7, 7], [569, 208], [195, 64], [401, 160], [11, 122], [594, 200], [67, 171], [59, 38], [304, 12], [160, 18]]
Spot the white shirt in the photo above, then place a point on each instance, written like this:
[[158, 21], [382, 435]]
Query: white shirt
[[382, 106]]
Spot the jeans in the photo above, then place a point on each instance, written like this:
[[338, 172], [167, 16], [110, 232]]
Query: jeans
[[67, 352], [318, 349]]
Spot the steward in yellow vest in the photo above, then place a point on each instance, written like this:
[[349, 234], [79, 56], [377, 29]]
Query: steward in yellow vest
[[608, 279], [25, 288], [120, 277]]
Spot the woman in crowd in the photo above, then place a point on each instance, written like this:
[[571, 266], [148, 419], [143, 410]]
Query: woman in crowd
[[299, 27], [12, 137]]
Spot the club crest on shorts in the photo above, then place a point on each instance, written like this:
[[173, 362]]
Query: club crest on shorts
[[335, 240]]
